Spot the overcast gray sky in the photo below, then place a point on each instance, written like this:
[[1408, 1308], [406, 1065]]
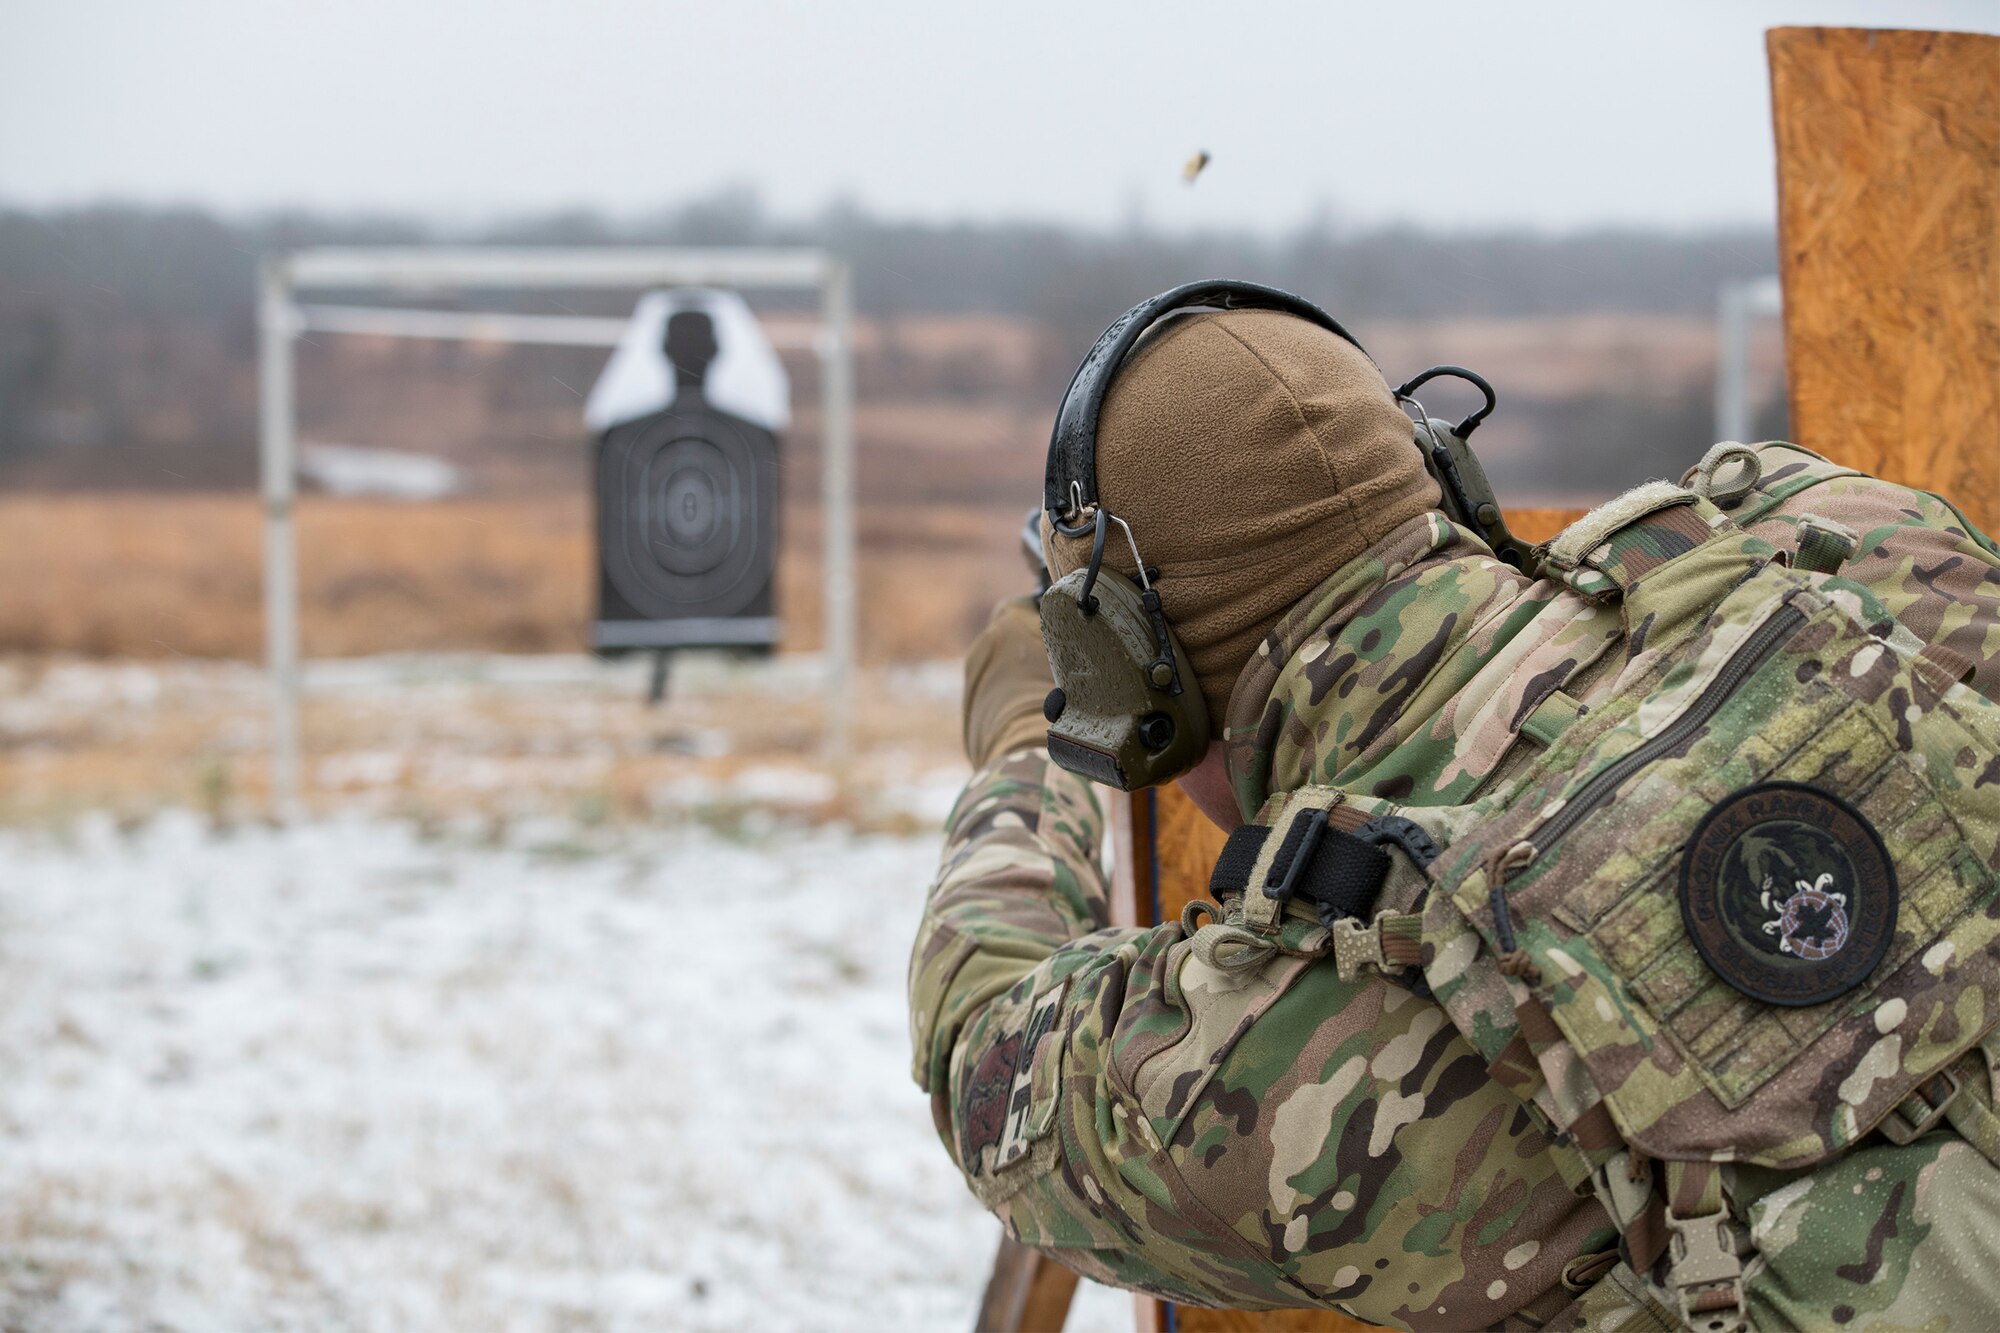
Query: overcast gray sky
[[1458, 112]]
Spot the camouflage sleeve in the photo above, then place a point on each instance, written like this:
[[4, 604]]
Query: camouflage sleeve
[[1016, 984], [1019, 879]]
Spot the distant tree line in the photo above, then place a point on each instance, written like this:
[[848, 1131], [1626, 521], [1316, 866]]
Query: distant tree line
[[124, 328]]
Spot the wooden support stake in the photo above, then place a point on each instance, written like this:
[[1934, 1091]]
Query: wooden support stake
[[1026, 1294], [1889, 231]]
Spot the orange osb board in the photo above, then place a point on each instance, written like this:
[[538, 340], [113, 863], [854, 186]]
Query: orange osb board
[[1187, 845], [1538, 525], [1889, 214]]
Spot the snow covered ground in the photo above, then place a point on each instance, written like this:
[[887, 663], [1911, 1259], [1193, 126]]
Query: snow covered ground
[[381, 1072]]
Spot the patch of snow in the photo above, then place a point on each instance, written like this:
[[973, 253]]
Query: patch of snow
[[346, 1075], [398, 474], [784, 785], [928, 797]]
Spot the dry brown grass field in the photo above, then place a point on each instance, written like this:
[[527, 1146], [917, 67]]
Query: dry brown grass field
[[178, 577], [479, 738], [181, 575]]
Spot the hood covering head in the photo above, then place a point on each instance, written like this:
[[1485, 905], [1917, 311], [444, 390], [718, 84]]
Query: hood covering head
[[1254, 453]]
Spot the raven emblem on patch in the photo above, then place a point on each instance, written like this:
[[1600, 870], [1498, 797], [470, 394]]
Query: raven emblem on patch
[[1788, 893], [1812, 923]]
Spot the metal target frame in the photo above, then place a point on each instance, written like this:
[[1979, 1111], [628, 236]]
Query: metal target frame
[[1738, 302], [281, 319]]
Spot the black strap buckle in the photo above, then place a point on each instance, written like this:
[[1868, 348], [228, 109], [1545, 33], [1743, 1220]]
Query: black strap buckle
[[1323, 863], [1339, 873], [1283, 881], [1404, 833]]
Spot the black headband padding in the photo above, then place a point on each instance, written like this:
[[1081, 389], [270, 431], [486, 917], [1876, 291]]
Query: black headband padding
[[1073, 442]]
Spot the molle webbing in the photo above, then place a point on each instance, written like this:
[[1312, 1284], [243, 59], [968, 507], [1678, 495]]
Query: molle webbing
[[1824, 545], [1319, 861], [1555, 714], [1572, 546]]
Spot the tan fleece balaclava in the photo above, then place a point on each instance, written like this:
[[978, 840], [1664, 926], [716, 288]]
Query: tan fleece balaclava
[[1254, 453]]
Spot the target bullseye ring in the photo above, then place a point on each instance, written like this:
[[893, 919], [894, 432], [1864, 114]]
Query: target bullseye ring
[[688, 508]]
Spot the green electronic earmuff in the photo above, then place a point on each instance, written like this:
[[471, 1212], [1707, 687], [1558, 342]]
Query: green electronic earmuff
[[1125, 710]]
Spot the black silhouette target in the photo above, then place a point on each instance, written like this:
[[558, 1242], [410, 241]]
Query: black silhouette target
[[687, 517], [688, 500]]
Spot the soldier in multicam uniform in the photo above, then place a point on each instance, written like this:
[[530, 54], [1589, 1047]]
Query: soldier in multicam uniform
[[1283, 1135]]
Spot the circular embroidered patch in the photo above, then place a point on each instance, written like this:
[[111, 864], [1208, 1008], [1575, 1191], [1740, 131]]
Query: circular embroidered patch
[[1788, 893]]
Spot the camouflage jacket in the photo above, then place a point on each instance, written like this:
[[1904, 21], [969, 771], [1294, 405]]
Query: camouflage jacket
[[1287, 1138]]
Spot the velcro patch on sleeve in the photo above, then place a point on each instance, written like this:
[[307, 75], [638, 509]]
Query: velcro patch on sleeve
[[1031, 1100], [1007, 1092]]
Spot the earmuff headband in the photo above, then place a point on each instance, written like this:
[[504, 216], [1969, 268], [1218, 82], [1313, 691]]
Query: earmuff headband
[[1070, 481]]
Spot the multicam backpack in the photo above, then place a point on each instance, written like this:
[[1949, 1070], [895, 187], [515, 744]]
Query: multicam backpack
[[1743, 912]]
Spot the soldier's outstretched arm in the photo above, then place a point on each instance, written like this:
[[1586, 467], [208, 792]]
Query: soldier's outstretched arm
[[1014, 963], [1019, 881], [1279, 1138], [1020, 877], [1016, 988]]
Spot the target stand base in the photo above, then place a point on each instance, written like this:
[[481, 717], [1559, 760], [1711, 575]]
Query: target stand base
[[757, 634]]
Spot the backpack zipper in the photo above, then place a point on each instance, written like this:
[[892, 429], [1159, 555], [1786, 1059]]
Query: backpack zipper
[[1763, 641]]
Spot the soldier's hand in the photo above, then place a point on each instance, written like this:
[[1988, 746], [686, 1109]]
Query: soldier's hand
[[1006, 679]]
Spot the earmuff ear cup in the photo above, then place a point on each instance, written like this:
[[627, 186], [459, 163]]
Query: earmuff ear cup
[[1114, 716]]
